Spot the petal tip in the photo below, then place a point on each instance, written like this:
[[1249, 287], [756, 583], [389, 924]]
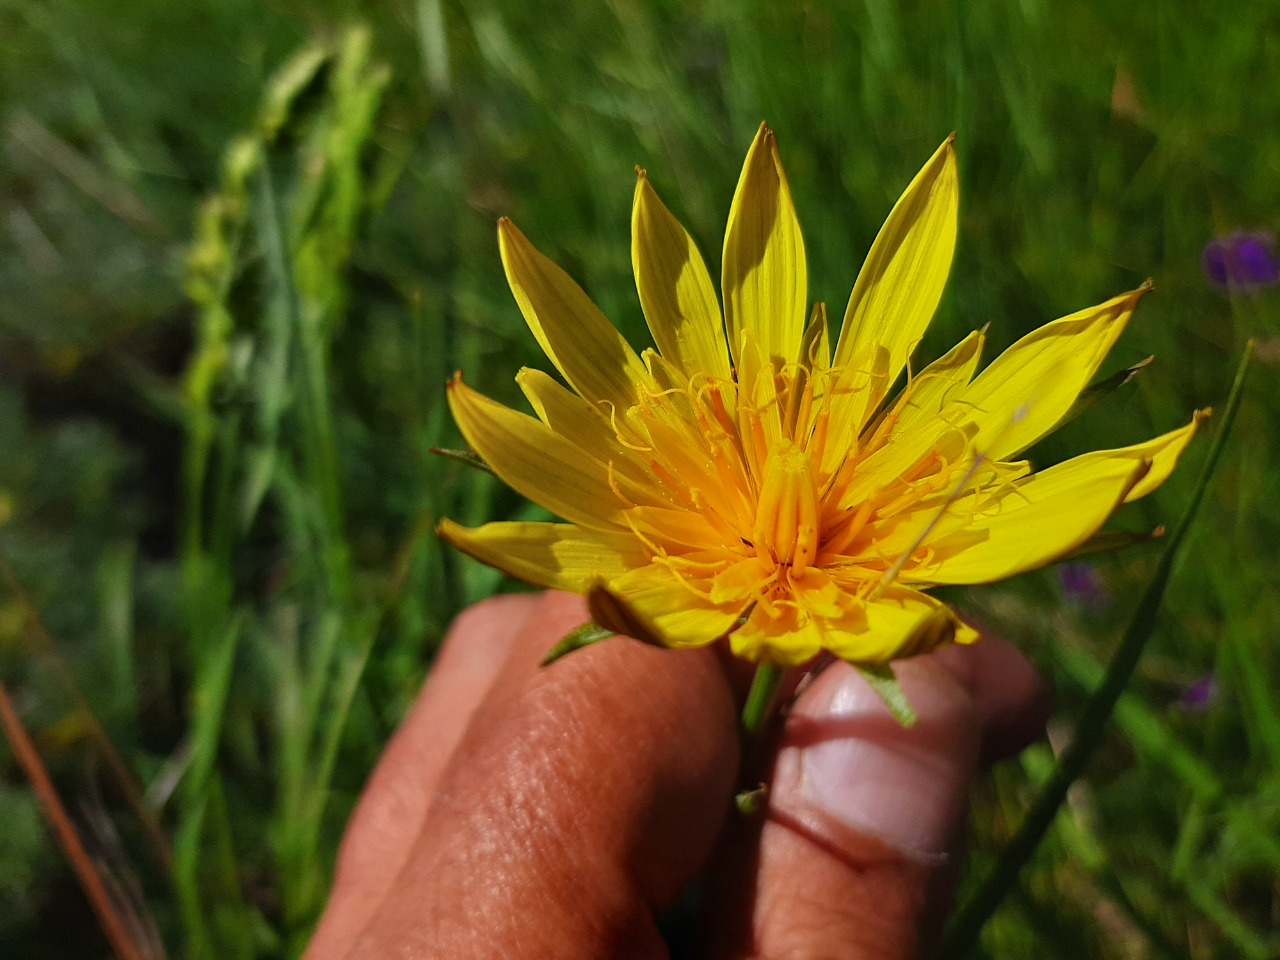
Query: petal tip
[[508, 233], [612, 612], [766, 138], [1126, 303], [1140, 471]]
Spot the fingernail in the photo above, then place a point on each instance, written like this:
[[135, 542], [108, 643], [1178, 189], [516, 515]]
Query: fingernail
[[847, 767]]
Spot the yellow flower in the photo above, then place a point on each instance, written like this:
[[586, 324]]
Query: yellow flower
[[747, 479]]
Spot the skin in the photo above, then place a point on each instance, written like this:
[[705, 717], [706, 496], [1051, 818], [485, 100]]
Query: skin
[[558, 812]]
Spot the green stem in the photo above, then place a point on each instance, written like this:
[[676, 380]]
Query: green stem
[[761, 701], [974, 913]]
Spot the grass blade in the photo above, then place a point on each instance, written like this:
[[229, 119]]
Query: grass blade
[[974, 913], [115, 926], [116, 763]]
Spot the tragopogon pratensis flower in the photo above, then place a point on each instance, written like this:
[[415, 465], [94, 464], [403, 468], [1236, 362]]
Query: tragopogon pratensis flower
[[746, 479]]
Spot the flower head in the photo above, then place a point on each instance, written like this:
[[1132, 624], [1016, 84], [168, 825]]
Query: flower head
[[1246, 261], [1082, 586], [748, 479], [1200, 695]]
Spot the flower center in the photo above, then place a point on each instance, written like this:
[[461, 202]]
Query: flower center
[[786, 527]]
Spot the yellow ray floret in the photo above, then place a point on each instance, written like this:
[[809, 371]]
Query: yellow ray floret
[[764, 275], [744, 480]]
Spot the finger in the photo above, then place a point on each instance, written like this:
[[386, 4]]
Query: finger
[[394, 802], [1011, 695], [581, 799], [862, 812]]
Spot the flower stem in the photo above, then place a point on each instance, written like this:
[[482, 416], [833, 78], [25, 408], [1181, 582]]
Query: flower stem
[[761, 701]]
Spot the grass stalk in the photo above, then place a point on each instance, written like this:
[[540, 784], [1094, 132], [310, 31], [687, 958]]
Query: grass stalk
[[113, 923], [973, 914]]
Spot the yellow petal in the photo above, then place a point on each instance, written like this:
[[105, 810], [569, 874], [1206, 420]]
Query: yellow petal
[[667, 527], [912, 427], [651, 603], [536, 461], [765, 276], [902, 623], [782, 633], [759, 412], [841, 412], [815, 346], [913, 454], [929, 392], [1162, 453], [666, 375], [585, 347], [740, 580], [583, 425], [901, 282], [559, 556], [818, 593], [676, 292], [1025, 391], [982, 538]]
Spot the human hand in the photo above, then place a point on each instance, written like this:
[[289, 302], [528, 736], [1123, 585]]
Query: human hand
[[557, 812]]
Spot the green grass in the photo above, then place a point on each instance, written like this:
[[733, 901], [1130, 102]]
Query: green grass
[[244, 246]]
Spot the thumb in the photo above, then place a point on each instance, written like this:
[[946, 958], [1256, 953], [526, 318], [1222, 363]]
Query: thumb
[[863, 811]]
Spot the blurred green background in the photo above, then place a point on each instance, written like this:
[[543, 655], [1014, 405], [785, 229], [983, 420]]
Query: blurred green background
[[243, 244]]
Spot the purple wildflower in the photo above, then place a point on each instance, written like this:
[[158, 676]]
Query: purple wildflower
[[1200, 695], [1243, 261], [1080, 583]]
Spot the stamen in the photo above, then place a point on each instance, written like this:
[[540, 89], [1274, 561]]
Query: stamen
[[845, 534], [787, 514], [611, 477], [892, 573], [620, 432], [654, 549], [684, 580]]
